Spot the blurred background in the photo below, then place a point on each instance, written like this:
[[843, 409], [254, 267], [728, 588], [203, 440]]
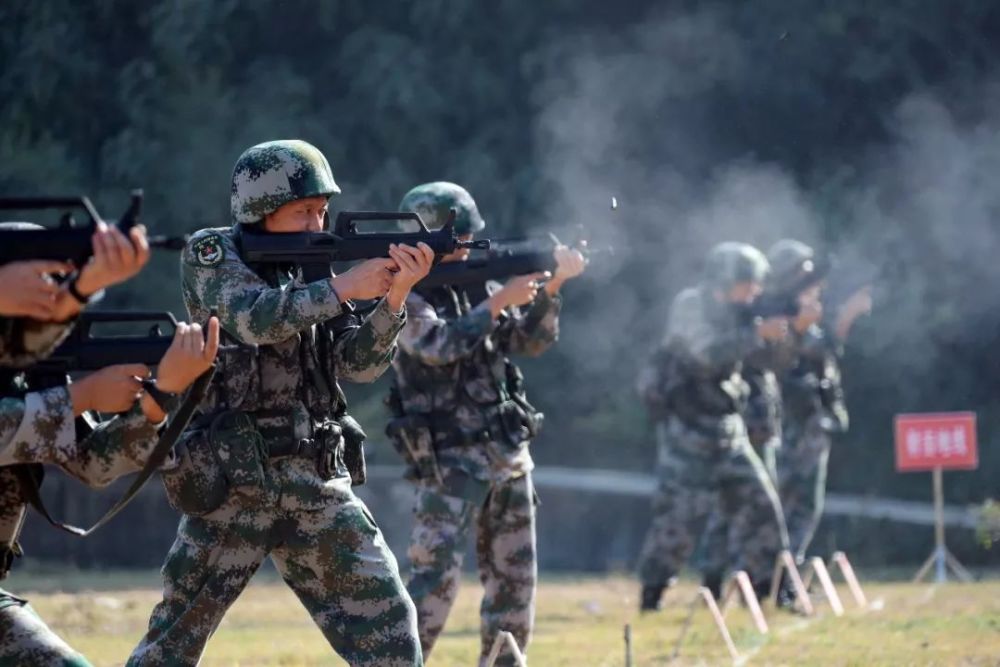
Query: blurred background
[[871, 130]]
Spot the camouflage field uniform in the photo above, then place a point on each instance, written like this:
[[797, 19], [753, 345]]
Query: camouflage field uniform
[[463, 426], [263, 471], [40, 429], [705, 461], [814, 409], [814, 413], [762, 416]]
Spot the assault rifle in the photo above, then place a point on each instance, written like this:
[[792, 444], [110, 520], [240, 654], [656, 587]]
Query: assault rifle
[[68, 241], [501, 262], [84, 350], [314, 251]]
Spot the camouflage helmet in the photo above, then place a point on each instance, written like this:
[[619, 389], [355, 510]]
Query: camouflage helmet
[[791, 261], [269, 175], [433, 202], [730, 263]]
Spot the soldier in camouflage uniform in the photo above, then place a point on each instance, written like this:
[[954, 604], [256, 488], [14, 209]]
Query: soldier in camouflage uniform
[[697, 396], [814, 409], [762, 416], [267, 467], [39, 427], [463, 426]]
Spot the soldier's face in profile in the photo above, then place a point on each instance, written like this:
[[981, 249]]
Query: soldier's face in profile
[[744, 293], [301, 215], [461, 254]]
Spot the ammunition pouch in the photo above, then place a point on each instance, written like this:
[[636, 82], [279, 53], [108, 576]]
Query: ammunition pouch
[[354, 450], [221, 455], [413, 438], [518, 422], [224, 456]]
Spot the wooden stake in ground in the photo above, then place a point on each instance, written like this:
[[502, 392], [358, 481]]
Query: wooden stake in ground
[[628, 645], [505, 639], [786, 563], [740, 581], [818, 568], [705, 596], [839, 559]]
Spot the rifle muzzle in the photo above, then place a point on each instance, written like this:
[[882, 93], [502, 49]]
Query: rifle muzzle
[[168, 242], [482, 244]]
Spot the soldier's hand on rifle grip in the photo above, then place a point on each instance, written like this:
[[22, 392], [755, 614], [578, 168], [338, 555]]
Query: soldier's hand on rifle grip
[[570, 263], [111, 389], [28, 290], [414, 264], [116, 258], [773, 328], [370, 279], [190, 354], [518, 291]]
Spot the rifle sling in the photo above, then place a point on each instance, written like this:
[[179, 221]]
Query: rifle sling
[[30, 476]]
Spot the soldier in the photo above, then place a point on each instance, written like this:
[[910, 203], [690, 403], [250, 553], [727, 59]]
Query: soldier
[[814, 409], [463, 425], [697, 395], [39, 427], [264, 469]]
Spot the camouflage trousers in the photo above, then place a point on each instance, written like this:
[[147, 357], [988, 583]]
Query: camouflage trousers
[[334, 559], [711, 555], [697, 476], [801, 464], [505, 549], [26, 641]]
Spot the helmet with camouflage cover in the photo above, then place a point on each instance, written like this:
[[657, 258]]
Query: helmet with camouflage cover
[[730, 263], [791, 262], [433, 202], [269, 175]]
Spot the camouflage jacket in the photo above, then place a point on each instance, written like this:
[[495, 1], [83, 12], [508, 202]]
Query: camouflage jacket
[[453, 368], [762, 413], [293, 342], [811, 384], [706, 343], [40, 428]]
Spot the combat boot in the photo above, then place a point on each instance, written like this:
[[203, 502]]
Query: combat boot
[[651, 595], [713, 582]]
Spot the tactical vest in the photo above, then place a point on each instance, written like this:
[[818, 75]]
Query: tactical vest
[[435, 392], [267, 402], [813, 389]]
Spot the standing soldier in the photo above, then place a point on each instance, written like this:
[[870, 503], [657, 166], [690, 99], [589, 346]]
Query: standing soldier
[[697, 395], [812, 394], [38, 427], [762, 416], [264, 470], [463, 425]]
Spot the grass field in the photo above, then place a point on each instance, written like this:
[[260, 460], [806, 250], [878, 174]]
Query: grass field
[[580, 623]]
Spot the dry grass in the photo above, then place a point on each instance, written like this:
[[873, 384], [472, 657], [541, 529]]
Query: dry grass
[[580, 622]]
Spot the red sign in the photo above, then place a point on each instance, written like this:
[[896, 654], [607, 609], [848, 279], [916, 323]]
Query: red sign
[[936, 440]]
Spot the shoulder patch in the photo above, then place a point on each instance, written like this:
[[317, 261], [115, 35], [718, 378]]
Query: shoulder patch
[[208, 251]]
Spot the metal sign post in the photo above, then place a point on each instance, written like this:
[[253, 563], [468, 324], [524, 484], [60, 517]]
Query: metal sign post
[[934, 442]]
